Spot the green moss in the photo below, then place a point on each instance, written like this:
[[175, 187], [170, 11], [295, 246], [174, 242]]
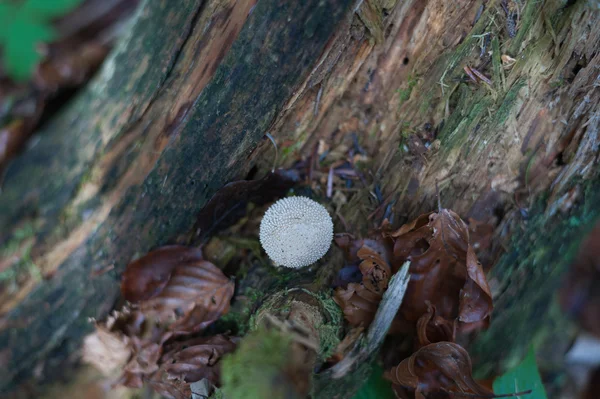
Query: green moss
[[328, 340], [240, 318], [477, 111], [255, 369], [528, 16], [24, 265], [27, 230], [426, 102], [456, 58], [217, 394], [507, 103], [18, 243], [498, 77], [468, 106], [329, 332], [407, 91]]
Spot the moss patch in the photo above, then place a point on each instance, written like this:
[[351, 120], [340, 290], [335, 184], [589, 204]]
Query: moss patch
[[19, 246], [407, 91], [253, 371], [329, 332]]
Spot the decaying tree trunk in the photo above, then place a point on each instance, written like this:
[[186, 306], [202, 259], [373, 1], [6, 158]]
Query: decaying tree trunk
[[173, 116], [179, 108]]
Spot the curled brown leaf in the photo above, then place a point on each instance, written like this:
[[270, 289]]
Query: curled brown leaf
[[359, 301], [174, 293], [444, 271], [146, 277], [433, 328], [195, 359], [196, 295], [374, 266], [174, 285], [442, 367]]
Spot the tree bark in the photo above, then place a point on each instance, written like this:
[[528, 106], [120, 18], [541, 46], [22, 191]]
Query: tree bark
[[173, 116], [179, 108]]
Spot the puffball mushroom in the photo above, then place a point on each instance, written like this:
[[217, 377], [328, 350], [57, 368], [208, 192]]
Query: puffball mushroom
[[296, 232]]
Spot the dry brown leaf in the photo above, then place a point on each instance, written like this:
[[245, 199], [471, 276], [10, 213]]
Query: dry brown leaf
[[196, 295], [475, 305], [174, 285], [442, 367], [433, 328], [444, 271], [195, 359], [359, 301], [146, 277], [174, 292], [374, 266], [106, 350], [358, 304], [345, 345], [145, 359], [169, 387]]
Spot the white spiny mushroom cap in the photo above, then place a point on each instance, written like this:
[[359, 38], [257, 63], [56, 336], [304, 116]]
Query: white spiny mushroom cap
[[296, 232]]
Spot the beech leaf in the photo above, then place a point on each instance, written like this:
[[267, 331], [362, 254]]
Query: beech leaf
[[442, 367], [174, 285], [196, 359], [196, 295], [444, 271], [146, 277], [359, 301]]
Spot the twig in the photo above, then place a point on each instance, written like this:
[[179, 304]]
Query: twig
[[318, 100], [330, 183], [437, 194], [365, 346], [276, 151]]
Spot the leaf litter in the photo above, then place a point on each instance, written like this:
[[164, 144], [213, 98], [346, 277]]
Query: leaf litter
[[448, 295], [174, 295]]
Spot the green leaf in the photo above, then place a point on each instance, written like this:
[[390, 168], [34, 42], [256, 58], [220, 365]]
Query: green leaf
[[522, 378], [7, 13], [25, 25], [376, 387], [48, 9], [20, 52]]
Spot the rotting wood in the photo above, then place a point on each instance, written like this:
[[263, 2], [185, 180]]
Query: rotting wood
[[521, 152], [116, 175], [494, 150]]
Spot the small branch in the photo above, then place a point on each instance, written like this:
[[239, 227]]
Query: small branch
[[365, 346], [268, 135]]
